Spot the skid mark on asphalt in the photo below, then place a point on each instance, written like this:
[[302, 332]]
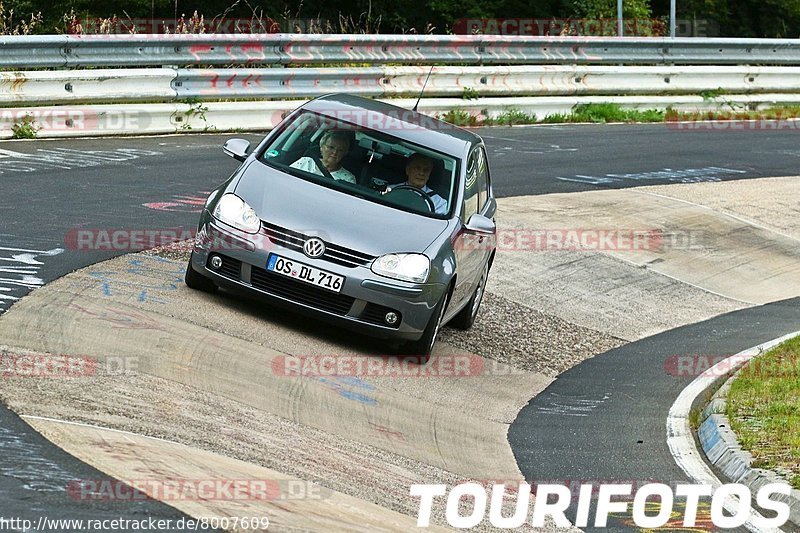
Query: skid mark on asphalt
[[122, 319], [389, 433], [19, 269], [556, 404], [67, 158]]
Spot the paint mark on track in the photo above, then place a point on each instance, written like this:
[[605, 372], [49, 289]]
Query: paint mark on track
[[668, 175], [19, 272], [556, 404], [181, 203], [67, 158], [24, 461], [157, 275]]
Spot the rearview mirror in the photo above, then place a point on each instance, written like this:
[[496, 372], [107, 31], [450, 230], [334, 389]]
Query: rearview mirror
[[480, 224], [236, 148]]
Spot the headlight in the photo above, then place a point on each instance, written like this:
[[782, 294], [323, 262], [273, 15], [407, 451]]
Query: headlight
[[235, 212], [408, 267]]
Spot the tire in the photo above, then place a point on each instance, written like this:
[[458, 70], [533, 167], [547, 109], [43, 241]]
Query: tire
[[197, 281], [466, 317], [424, 346]]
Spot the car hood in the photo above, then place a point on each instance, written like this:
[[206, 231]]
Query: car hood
[[336, 217]]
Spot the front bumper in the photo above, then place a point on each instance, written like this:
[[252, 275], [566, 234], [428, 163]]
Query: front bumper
[[361, 305]]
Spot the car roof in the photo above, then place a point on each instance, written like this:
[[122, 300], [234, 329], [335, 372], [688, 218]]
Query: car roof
[[403, 123]]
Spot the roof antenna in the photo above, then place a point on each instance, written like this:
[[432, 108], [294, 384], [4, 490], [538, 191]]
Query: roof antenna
[[423, 88]]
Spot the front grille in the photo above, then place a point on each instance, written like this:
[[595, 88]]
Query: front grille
[[231, 268], [300, 292], [334, 253], [374, 314]]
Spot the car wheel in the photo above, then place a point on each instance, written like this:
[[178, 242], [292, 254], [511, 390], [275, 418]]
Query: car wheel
[[424, 346], [466, 317], [197, 281]]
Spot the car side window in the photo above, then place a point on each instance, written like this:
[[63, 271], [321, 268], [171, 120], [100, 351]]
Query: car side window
[[482, 180], [477, 185], [471, 196]]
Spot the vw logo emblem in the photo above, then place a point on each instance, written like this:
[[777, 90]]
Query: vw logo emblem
[[314, 247]]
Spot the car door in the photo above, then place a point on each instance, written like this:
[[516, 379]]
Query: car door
[[472, 249]]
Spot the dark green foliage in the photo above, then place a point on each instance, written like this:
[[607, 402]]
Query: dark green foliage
[[733, 18]]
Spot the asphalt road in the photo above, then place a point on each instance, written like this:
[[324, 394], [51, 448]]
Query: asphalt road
[[604, 421], [52, 188]]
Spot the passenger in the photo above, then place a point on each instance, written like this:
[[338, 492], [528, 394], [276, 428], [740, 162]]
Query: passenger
[[333, 146], [418, 171]]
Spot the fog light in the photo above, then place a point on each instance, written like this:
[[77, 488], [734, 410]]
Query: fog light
[[391, 318], [216, 262]]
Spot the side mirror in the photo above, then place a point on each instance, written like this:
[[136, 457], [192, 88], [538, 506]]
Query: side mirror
[[480, 224], [236, 148]]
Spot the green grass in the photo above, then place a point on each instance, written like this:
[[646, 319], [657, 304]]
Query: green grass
[[598, 113], [470, 94], [772, 113], [763, 406], [460, 118], [714, 93], [25, 128], [604, 113], [510, 118]]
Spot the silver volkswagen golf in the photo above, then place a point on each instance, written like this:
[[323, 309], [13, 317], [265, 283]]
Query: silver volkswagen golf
[[375, 217]]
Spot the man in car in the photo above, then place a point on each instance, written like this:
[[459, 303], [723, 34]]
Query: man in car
[[418, 171], [333, 146]]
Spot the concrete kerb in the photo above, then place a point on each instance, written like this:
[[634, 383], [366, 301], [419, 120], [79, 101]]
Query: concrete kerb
[[723, 450], [717, 441]]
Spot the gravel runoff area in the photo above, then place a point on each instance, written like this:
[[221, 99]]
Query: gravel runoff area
[[529, 340], [129, 401], [505, 331]]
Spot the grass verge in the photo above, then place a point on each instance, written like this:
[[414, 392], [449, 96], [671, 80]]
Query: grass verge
[[763, 406], [604, 113]]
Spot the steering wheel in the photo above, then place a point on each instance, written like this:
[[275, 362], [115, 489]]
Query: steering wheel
[[425, 196], [321, 167]]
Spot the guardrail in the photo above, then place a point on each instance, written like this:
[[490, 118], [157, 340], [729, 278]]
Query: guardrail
[[71, 51], [485, 76], [179, 84]]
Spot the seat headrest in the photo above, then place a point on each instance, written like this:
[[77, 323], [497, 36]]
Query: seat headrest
[[437, 180]]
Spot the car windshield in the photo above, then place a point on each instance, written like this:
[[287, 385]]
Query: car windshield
[[366, 163]]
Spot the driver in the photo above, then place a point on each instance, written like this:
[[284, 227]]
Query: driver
[[333, 146], [418, 171]]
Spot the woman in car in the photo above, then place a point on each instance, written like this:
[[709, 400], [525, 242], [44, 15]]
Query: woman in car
[[333, 146]]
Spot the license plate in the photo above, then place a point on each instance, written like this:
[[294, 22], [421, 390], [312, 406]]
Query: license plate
[[306, 273]]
